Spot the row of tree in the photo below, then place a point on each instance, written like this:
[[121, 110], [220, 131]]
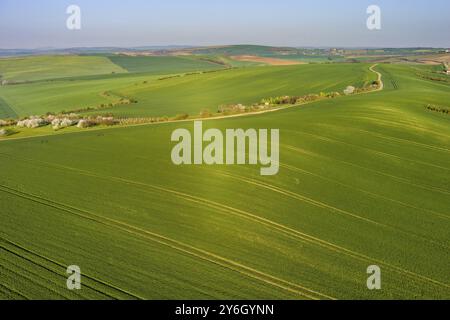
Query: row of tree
[[435, 108]]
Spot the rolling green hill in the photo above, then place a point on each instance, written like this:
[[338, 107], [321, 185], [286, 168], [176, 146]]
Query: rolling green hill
[[304, 55], [50, 67], [185, 94], [192, 94], [6, 112], [364, 180], [55, 96], [163, 64], [236, 50]]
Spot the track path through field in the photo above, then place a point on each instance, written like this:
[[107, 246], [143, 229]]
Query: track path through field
[[380, 78], [174, 244], [380, 88]]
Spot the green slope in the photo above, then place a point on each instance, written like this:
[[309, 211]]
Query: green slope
[[187, 94], [247, 86], [364, 180], [64, 95], [164, 64], [50, 67], [6, 111], [236, 50]]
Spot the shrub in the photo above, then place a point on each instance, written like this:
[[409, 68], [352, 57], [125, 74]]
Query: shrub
[[349, 90], [59, 123], [205, 113], [106, 121], [181, 116], [84, 123], [3, 123], [333, 95], [435, 108], [6, 132], [33, 122]]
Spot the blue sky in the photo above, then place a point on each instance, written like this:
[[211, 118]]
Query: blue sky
[[405, 23]]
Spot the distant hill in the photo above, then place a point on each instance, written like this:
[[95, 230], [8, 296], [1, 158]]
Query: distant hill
[[84, 50], [245, 50], [213, 50]]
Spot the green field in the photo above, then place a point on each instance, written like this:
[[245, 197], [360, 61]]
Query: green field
[[237, 50], [64, 83], [6, 111], [192, 94], [51, 67], [304, 55], [163, 65], [187, 94], [364, 180], [65, 95]]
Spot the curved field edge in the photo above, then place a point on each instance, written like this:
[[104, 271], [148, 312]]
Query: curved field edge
[[364, 180], [6, 111], [23, 69], [156, 96], [44, 131]]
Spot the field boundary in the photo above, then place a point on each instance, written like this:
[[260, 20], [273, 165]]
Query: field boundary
[[7, 109], [253, 113]]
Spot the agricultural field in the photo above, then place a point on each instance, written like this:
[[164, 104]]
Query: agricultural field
[[6, 111], [160, 65], [191, 93], [81, 89], [22, 69], [65, 95], [364, 180]]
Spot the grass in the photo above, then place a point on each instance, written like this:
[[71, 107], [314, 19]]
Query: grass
[[64, 95], [163, 65], [51, 67], [64, 83], [185, 94], [237, 50], [364, 180], [247, 86], [6, 111]]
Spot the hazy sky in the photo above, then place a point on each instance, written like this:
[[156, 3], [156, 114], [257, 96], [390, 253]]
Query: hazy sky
[[42, 23]]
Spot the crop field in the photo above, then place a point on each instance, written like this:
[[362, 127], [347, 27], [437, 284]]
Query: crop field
[[193, 93], [164, 64], [64, 95], [52, 67], [6, 111], [364, 180], [169, 96], [64, 83]]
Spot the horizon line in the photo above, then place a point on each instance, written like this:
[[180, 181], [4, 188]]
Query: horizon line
[[223, 45]]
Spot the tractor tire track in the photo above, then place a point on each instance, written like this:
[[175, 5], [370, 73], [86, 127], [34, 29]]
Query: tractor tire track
[[29, 279], [399, 179], [372, 194], [8, 290], [59, 265], [381, 153], [289, 231], [322, 205], [177, 245]]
